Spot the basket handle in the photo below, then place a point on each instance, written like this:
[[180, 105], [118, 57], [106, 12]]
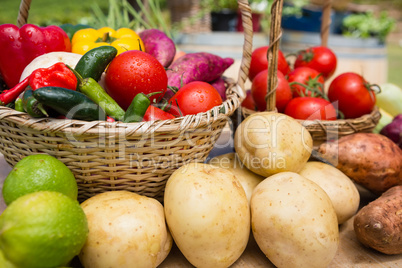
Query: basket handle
[[23, 12], [245, 10], [326, 22], [275, 35]]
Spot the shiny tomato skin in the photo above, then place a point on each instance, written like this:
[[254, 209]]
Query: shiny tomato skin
[[353, 95], [154, 113], [133, 72], [249, 102], [306, 76], [259, 88], [194, 97], [310, 108], [259, 62], [319, 58]]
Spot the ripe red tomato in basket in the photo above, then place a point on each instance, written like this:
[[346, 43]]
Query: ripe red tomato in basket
[[355, 96], [310, 108], [259, 88], [303, 78], [194, 97], [133, 72], [249, 102], [319, 58], [259, 62], [154, 113]]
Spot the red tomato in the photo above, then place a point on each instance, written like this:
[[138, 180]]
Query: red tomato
[[194, 97], [355, 96], [154, 113], [249, 102], [133, 72], [310, 108], [308, 77], [259, 88], [259, 62], [319, 58]]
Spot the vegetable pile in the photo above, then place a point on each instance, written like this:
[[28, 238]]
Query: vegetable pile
[[106, 74], [269, 187], [301, 93]]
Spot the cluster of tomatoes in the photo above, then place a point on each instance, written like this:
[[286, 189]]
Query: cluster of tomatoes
[[300, 91]]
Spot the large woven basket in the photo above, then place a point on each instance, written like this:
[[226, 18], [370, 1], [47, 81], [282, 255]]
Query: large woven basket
[[320, 130], [138, 157]]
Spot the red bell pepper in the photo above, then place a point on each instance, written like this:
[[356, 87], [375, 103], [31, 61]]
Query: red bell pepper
[[57, 75], [19, 46]]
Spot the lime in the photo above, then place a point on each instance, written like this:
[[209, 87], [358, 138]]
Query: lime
[[39, 172], [42, 229], [4, 263]]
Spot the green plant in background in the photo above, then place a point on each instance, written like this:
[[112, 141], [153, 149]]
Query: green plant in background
[[364, 25], [122, 14], [294, 7]]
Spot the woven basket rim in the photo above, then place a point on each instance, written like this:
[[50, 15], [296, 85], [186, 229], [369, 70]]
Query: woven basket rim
[[337, 122]]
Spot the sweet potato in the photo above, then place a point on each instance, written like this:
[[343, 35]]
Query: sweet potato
[[200, 66], [159, 45], [371, 160], [220, 85], [378, 225]]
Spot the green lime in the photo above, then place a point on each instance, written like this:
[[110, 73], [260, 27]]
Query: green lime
[[42, 229], [39, 172]]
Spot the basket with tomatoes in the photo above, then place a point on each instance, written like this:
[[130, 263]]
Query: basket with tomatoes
[[116, 106], [345, 106]]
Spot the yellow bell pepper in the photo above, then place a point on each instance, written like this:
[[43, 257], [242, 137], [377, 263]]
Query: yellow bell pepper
[[123, 39]]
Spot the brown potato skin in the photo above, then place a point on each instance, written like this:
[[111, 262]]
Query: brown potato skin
[[378, 225], [371, 160]]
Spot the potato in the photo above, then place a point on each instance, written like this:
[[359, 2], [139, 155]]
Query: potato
[[208, 214], [379, 224], [125, 229], [268, 143], [341, 190], [293, 221], [371, 160], [249, 180]]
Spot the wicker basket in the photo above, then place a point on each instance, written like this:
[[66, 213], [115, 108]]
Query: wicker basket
[[138, 157], [320, 130]]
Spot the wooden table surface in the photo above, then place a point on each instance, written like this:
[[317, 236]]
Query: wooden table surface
[[351, 254]]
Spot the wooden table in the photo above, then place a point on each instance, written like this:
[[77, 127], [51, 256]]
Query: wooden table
[[351, 254]]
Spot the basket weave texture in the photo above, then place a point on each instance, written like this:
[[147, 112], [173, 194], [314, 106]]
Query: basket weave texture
[[326, 130], [137, 157]]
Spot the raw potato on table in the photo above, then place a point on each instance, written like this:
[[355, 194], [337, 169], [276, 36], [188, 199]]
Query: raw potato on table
[[249, 180], [293, 222], [371, 160], [341, 190], [125, 230], [208, 214], [268, 143], [379, 224]]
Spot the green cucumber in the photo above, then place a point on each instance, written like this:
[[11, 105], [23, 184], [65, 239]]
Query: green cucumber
[[94, 62], [72, 104]]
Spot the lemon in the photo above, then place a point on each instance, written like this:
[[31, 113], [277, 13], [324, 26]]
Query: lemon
[[39, 172], [42, 229]]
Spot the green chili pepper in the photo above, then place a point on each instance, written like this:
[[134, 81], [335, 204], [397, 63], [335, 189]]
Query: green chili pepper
[[94, 91], [18, 105], [31, 105], [135, 112]]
